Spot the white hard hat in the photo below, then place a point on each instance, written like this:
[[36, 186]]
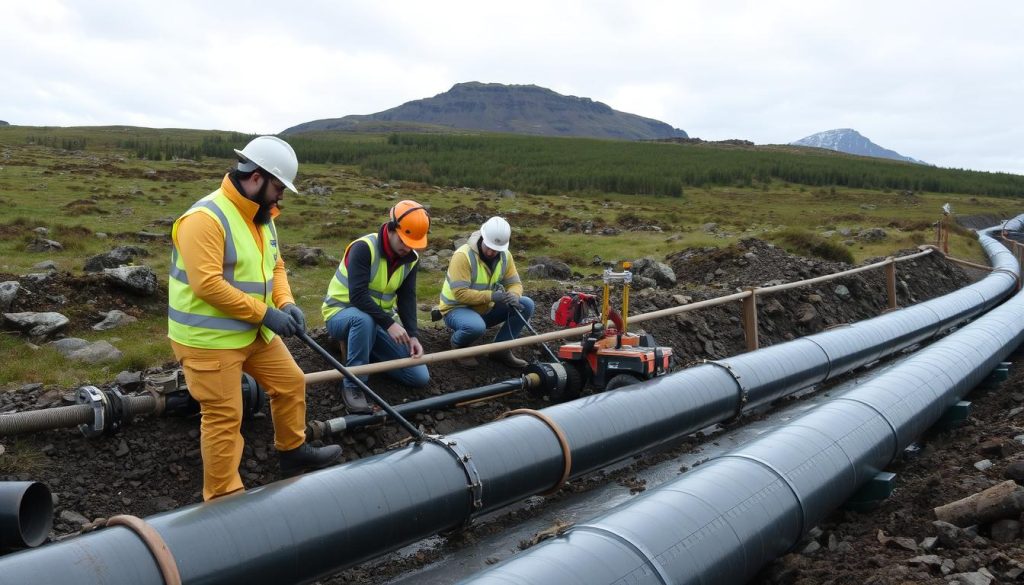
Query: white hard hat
[[273, 155], [496, 233]]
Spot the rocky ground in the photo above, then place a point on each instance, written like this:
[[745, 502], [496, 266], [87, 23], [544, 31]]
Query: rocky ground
[[154, 464]]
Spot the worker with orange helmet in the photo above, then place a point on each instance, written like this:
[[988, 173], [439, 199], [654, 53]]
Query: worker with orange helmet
[[375, 280]]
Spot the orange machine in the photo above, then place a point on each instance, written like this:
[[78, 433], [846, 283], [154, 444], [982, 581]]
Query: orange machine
[[609, 356]]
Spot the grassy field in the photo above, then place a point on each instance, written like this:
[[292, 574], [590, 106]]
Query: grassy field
[[118, 181]]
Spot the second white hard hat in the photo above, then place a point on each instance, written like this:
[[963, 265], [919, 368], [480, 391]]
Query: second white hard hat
[[496, 233]]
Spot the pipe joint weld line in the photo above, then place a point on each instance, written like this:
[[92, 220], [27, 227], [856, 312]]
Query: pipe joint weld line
[[562, 442], [1016, 275], [828, 358], [637, 548], [744, 395], [789, 484], [892, 427], [154, 542]]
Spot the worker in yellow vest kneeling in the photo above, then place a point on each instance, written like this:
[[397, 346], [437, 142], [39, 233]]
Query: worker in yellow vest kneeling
[[482, 289]]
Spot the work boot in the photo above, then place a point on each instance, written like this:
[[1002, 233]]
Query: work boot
[[469, 362], [355, 400], [306, 457], [508, 358]]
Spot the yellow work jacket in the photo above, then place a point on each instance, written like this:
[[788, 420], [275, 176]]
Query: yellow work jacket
[[247, 267], [469, 280]]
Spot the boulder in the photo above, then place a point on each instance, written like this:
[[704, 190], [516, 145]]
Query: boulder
[[662, 274], [114, 318], [37, 325], [119, 256], [68, 345], [95, 353], [549, 268], [309, 255], [8, 292], [137, 279], [642, 282], [44, 245], [872, 235]]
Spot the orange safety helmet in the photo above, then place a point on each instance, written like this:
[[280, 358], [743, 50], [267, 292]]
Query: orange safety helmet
[[411, 222]]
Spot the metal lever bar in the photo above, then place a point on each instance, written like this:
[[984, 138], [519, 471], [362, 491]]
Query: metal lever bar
[[415, 432]]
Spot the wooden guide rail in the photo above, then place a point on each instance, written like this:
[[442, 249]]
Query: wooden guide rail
[[748, 298]]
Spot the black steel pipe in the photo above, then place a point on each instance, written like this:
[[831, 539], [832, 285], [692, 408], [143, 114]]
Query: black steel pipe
[[447, 400], [300, 529], [721, 522], [26, 515]]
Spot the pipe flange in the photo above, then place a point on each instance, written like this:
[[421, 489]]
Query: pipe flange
[[115, 403], [465, 459], [95, 398]]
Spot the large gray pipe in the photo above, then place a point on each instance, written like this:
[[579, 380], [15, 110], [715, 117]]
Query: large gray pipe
[[26, 514], [721, 522], [297, 530]]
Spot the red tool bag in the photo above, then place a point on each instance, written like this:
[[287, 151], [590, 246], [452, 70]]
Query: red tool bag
[[575, 309]]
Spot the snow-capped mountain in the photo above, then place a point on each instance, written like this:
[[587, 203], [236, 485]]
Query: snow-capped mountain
[[850, 141]]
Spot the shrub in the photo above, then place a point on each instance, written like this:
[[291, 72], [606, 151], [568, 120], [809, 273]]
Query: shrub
[[805, 243]]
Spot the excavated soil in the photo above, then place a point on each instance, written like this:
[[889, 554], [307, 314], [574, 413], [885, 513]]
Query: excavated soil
[[154, 465]]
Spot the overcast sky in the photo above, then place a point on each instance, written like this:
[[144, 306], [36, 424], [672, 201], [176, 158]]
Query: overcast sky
[[939, 80]]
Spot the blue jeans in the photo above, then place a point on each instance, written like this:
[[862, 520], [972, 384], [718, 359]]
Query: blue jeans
[[365, 339], [468, 325]]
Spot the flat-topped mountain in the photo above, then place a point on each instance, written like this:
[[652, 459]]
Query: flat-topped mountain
[[516, 109], [850, 141]]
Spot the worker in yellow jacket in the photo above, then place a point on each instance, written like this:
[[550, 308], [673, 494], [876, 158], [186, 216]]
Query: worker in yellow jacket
[[483, 289], [228, 304]]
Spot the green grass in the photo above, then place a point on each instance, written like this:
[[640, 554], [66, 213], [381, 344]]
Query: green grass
[[79, 182], [22, 457], [143, 343]]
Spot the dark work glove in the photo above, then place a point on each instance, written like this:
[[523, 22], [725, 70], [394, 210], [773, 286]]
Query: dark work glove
[[501, 297], [514, 302], [280, 322], [295, 312]]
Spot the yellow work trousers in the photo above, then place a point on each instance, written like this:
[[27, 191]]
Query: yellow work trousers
[[214, 378]]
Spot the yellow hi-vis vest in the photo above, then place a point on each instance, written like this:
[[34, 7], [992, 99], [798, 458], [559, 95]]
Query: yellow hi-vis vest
[[382, 288], [192, 321], [480, 277]]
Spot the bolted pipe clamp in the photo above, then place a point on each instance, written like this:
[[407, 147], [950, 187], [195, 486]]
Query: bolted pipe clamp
[[95, 398], [465, 460], [743, 392]]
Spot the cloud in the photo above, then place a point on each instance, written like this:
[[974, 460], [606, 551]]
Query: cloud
[[934, 80]]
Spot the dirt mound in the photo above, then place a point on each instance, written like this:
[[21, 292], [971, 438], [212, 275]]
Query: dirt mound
[[154, 465]]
